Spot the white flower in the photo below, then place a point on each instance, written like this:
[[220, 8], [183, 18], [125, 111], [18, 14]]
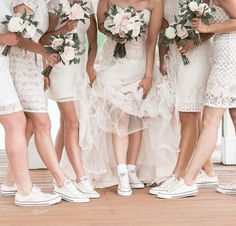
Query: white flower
[[108, 23], [119, 17], [136, 30], [193, 6], [30, 30], [181, 31], [204, 9], [77, 12], [68, 54], [56, 43], [15, 24], [170, 32]]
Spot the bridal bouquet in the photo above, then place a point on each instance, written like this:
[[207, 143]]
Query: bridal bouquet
[[67, 46], [195, 9], [75, 11], [177, 33], [23, 25], [123, 25]]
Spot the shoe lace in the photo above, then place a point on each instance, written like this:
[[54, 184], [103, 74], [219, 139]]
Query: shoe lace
[[124, 180], [37, 192], [70, 187]]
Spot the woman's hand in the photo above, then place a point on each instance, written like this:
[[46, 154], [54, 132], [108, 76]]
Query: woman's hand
[[162, 69], [146, 85], [52, 58], [91, 74], [70, 25], [10, 39], [187, 47], [200, 26], [46, 83]]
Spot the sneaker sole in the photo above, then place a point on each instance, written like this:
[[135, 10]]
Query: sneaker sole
[[212, 184], [225, 191], [91, 196], [45, 203], [7, 193], [69, 199], [183, 195], [137, 186], [124, 193], [154, 192]]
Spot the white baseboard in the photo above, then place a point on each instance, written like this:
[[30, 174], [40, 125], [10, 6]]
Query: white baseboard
[[228, 151]]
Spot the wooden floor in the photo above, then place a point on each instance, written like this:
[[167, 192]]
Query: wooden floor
[[207, 209]]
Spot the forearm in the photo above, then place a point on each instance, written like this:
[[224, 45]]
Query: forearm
[[150, 57], [46, 37], [206, 37], [2, 39], [162, 52], [228, 26], [92, 53]]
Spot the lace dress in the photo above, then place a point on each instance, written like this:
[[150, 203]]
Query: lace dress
[[191, 79], [221, 87], [9, 102], [26, 66], [115, 106], [66, 80]]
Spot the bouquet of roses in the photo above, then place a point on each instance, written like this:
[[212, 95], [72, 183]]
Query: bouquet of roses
[[75, 11], [23, 25], [67, 46], [123, 25], [195, 9], [177, 33]]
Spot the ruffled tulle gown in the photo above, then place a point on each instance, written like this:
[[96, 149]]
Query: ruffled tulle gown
[[115, 106]]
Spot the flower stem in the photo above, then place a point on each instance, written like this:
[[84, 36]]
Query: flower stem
[[6, 51], [46, 72]]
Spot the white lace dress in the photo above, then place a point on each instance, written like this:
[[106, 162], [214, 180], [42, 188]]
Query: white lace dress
[[26, 66], [191, 79], [221, 88], [115, 106], [9, 102], [66, 80]]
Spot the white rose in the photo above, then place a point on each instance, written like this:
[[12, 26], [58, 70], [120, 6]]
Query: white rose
[[125, 26], [115, 29], [181, 31], [56, 43], [30, 30], [136, 30], [193, 6], [16, 24], [68, 54], [204, 9], [77, 12], [170, 32], [118, 18], [108, 23]]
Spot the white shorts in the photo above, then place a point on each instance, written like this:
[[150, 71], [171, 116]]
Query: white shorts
[[9, 102]]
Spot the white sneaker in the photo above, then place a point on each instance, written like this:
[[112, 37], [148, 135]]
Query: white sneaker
[[36, 198], [124, 188], [166, 185], [203, 180], [134, 180], [180, 190], [229, 189], [85, 187], [8, 190], [70, 193]]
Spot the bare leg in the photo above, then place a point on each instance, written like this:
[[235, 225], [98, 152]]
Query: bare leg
[[44, 144], [189, 136], [134, 147], [207, 142], [232, 112], [59, 144], [71, 137], [14, 125]]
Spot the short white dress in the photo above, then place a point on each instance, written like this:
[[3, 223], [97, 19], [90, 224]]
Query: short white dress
[[26, 67], [65, 80], [191, 79], [221, 87], [115, 106], [9, 102]]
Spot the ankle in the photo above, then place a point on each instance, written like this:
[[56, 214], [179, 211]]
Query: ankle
[[188, 181], [9, 182], [209, 171], [131, 167], [24, 190], [60, 180], [122, 168]]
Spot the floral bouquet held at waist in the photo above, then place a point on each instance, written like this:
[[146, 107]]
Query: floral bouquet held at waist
[[23, 25], [122, 26], [67, 46]]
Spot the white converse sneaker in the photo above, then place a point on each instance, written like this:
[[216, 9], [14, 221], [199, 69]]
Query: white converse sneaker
[[85, 187], [166, 185], [134, 180], [8, 190], [203, 180], [180, 190], [36, 198], [124, 188], [70, 193], [229, 189]]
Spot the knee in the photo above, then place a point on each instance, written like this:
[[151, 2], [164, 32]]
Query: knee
[[42, 124], [71, 123], [210, 121], [16, 123]]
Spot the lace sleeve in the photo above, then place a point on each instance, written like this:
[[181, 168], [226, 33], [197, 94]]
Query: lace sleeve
[[27, 3], [53, 5]]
